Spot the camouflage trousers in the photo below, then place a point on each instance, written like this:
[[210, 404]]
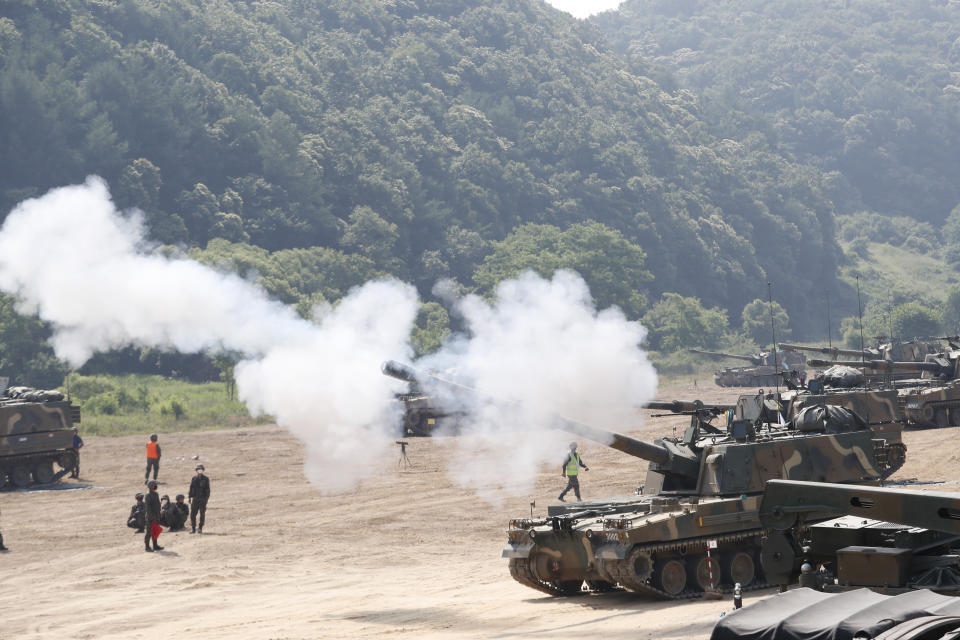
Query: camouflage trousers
[[573, 482]]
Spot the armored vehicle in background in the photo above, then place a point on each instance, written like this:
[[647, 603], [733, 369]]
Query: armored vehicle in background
[[36, 432], [931, 397], [768, 368]]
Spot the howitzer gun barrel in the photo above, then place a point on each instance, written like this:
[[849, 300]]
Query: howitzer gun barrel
[[679, 406], [880, 365], [832, 351], [716, 354], [785, 500], [618, 441]]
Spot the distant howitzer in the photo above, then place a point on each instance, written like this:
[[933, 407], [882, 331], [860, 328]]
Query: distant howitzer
[[755, 359], [662, 456], [767, 369]]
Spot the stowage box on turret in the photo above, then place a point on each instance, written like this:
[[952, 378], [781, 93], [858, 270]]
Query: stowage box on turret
[[35, 432]]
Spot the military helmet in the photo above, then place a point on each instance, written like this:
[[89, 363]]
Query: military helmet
[[573, 445], [153, 436], [152, 483], [199, 467], [179, 496], [139, 495]]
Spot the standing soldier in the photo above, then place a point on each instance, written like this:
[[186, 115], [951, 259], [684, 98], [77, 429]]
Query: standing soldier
[[77, 445], [571, 469], [153, 457], [199, 494], [2, 548], [152, 517]]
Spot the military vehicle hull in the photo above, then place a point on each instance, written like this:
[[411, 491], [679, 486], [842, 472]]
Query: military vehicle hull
[[35, 436], [657, 544], [937, 405]]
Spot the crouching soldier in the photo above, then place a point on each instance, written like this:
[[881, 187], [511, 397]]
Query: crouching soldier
[[179, 514], [137, 518]]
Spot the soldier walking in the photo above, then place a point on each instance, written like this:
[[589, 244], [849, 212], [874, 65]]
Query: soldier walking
[[571, 469], [153, 457], [77, 445], [199, 494], [152, 517]]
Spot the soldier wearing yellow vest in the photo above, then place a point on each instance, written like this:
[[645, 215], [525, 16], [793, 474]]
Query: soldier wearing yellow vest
[[153, 457], [571, 469]]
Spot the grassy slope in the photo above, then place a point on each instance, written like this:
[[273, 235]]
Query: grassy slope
[[891, 268], [205, 406]]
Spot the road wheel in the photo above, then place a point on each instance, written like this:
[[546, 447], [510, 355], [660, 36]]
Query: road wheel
[[742, 568], [20, 476], [670, 576], [699, 576], [67, 459], [43, 473]]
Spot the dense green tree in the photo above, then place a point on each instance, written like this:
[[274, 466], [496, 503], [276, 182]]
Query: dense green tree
[[757, 322], [25, 355], [610, 264], [914, 320], [676, 322]]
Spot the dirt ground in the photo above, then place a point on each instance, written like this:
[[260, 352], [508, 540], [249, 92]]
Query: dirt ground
[[408, 554]]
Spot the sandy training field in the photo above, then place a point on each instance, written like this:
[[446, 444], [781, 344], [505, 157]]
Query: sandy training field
[[408, 554]]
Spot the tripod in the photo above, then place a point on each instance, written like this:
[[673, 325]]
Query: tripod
[[404, 461]]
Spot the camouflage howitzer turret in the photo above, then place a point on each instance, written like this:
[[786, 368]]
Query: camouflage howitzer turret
[[36, 431], [704, 486], [767, 368], [932, 399]]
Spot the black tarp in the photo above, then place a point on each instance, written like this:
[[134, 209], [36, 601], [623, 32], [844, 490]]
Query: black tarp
[[827, 419], [805, 614], [841, 376]]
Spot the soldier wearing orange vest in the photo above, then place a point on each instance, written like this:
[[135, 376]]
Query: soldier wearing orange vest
[[153, 457]]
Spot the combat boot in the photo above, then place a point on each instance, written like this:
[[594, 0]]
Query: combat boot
[[199, 529], [147, 548], [193, 529], [157, 547]]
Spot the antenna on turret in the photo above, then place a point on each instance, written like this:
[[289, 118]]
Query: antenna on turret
[[773, 331], [863, 353], [829, 323]]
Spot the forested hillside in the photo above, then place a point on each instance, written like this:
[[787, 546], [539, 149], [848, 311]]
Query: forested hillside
[[866, 90], [425, 139]]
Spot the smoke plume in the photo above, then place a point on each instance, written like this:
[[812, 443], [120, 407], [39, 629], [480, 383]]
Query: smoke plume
[[538, 349], [87, 270]]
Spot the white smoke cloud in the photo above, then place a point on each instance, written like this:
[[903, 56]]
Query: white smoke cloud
[[539, 349], [71, 257]]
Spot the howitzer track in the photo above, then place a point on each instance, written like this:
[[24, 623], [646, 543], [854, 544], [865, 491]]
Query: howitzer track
[[622, 572]]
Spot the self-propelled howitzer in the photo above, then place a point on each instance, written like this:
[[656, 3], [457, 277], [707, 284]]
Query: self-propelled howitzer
[[767, 368], [700, 488]]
